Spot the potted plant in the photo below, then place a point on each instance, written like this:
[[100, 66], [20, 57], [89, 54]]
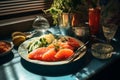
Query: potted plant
[[59, 7]]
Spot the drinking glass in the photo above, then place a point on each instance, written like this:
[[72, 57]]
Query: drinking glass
[[40, 26], [64, 23], [109, 31], [82, 32], [94, 20]]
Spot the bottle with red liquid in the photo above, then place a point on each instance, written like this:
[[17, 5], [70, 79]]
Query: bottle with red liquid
[[94, 20]]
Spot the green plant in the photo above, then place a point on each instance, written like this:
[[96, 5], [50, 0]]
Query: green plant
[[59, 6]]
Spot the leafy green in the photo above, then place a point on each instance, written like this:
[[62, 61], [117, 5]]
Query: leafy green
[[59, 6], [37, 44]]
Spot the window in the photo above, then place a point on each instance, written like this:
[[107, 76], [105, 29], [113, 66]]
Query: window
[[18, 8], [18, 15]]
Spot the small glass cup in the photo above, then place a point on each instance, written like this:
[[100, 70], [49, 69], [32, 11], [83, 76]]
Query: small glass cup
[[64, 23], [109, 31], [82, 32]]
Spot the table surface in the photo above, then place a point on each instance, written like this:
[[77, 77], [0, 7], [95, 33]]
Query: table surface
[[11, 67]]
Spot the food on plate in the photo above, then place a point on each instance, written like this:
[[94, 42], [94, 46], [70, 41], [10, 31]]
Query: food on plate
[[49, 55], [43, 41], [64, 54], [49, 37], [4, 47], [102, 50], [37, 53], [51, 48]]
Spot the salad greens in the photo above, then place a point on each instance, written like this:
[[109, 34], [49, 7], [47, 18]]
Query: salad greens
[[42, 42]]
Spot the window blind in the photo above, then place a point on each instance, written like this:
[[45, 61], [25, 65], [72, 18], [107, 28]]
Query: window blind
[[21, 7]]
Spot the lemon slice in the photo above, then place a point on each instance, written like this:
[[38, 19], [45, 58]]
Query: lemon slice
[[17, 40], [18, 34], [48, 37]]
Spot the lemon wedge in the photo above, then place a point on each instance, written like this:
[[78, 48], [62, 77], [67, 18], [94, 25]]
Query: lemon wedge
[[17, 33], [17, 40]]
